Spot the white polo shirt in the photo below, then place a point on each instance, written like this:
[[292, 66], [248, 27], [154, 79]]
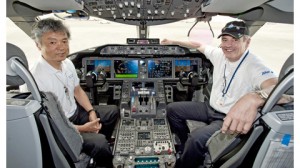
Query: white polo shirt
[[60, 82], [248, 77]]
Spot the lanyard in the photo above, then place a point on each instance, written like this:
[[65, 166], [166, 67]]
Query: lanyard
[[225, 90], [65, 87]]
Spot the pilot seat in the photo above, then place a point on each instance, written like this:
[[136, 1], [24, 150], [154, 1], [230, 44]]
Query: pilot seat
[[38, 133], [270, 142]]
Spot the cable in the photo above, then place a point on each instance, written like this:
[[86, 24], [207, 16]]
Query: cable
[[212, 32], [192, 28]]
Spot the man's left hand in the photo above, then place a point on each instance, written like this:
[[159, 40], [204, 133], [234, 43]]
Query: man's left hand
[[93, 117], [241, 116]]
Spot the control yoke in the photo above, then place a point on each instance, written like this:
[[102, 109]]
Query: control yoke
[[193, 79], [95, 79]]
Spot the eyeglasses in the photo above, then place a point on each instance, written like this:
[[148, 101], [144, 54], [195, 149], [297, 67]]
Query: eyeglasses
[[67, 92]]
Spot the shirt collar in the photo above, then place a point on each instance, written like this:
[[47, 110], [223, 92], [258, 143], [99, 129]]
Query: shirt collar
[[49, 67]]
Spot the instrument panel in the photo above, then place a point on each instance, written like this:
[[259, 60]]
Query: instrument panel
[[141, 68], [139, 62]]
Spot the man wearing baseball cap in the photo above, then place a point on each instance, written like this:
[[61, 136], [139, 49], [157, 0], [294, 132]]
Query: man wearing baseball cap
[[239, 78]]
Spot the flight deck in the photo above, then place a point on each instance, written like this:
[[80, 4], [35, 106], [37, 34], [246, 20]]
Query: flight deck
[[141, 79]]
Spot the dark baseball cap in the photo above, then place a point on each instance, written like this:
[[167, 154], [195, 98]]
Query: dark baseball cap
[[236, 29]]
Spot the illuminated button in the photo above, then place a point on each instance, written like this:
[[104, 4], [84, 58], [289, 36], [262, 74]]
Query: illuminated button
[[133, 109], [137, 152]]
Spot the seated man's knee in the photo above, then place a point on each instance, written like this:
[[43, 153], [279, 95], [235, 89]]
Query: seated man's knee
[[95, 143], [170, 109]]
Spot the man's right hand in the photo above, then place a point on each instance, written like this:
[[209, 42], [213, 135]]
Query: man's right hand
[[91, 126], [166, 42], [187, 44]]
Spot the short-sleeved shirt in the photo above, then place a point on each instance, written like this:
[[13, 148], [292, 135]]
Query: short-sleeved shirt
[[249, 77], [60, 82]]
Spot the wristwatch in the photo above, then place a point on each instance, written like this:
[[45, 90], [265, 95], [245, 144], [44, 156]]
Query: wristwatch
[[91, 110], [262, 94]]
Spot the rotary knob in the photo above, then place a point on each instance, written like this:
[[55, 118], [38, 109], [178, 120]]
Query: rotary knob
[[147, 149]]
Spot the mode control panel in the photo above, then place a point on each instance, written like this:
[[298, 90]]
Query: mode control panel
[[143, 99]]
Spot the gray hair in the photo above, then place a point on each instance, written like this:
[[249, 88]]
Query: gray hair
[[47, 25]]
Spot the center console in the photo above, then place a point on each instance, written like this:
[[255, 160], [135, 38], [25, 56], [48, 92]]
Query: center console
[[144, 138]]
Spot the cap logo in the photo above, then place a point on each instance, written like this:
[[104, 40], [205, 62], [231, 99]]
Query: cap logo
[[233, 26], [230, 26], [234, 29]]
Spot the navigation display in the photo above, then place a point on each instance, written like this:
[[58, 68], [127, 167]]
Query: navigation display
[[144, 135], [185, 66], [99, 65], [126, 68], [159, 68]]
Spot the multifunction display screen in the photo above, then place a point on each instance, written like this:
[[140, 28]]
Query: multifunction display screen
[[152, 68], [126, 68], [185, 67], [159, 68], [98, 66]]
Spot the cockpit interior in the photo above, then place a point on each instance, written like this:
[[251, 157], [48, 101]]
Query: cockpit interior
[[141, 78]]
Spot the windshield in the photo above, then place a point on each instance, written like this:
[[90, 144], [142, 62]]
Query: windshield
[[273, 43]]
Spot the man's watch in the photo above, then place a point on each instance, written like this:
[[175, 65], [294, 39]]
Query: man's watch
[[91, 110], [262, 94]]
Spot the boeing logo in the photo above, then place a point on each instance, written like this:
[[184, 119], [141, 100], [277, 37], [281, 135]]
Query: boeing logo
[[266, 72]]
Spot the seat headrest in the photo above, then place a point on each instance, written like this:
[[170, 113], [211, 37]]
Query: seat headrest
[[286, 68], [14, 52]]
